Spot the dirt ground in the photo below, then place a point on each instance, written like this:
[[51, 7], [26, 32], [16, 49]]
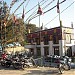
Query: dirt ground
[[34, 71]]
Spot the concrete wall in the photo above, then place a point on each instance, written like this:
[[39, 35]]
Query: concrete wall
[[14, 49]]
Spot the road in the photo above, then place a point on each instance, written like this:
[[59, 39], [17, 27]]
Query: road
[[34, 71]]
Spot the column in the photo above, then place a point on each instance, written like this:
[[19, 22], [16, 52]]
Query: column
[[51, 51], [35, 50], [42, 49], [61, 48]]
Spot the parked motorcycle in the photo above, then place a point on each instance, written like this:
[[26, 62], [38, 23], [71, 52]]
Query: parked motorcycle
[[6, 62]]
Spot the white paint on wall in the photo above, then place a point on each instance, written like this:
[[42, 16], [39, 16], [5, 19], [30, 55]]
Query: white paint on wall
[[51, 52]]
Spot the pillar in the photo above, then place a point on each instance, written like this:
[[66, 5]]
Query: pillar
[[42, 49], [51, 52]]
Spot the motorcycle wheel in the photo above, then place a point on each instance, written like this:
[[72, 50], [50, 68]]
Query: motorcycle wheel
[[26, 66], [2, 64], [67, 67], [16, 65], [7, 65]]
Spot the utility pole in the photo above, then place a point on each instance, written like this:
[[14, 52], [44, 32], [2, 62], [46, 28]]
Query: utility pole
[[40, 13]]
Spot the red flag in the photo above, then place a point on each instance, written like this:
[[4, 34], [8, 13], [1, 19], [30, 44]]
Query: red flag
[[39, 10], [58, 7], [23, 13]]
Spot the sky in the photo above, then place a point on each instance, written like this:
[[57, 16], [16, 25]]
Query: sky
[[67, 16]]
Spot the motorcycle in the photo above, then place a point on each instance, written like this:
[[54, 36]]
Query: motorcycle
[[18, 63]]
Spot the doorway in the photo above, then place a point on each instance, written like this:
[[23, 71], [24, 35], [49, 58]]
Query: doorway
[[69, 51], [56, 51]]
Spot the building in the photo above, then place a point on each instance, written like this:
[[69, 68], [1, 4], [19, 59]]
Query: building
[[54, 41]]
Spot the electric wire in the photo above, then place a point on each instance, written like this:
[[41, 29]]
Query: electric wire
[[15, 11], [47, 10], [30, 9], [60, 13], [27, 3], [35, 14], [48, 4], [19, 6]]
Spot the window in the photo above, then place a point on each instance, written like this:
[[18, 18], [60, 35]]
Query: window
[[37, 41], [56, 50], [68, 38], [46, 51], [55, 39], [46, 39], [38, 52]]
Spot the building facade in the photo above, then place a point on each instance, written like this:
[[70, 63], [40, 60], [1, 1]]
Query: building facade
[[54, 41]]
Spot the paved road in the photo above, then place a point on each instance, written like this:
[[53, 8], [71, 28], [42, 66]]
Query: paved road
[[34, 71]]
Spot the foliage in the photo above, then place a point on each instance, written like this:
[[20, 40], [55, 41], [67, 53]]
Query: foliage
[[14, 31], [31, 27]]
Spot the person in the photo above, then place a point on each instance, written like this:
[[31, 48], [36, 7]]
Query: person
[[68, 62]]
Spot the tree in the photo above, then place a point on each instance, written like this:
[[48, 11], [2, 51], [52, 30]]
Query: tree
[[12, 31], [31, 27], [3, 14], [21, 31], [16, 31]]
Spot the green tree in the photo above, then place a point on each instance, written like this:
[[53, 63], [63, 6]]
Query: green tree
[[31, 27], [16, 31], [12, 32]]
